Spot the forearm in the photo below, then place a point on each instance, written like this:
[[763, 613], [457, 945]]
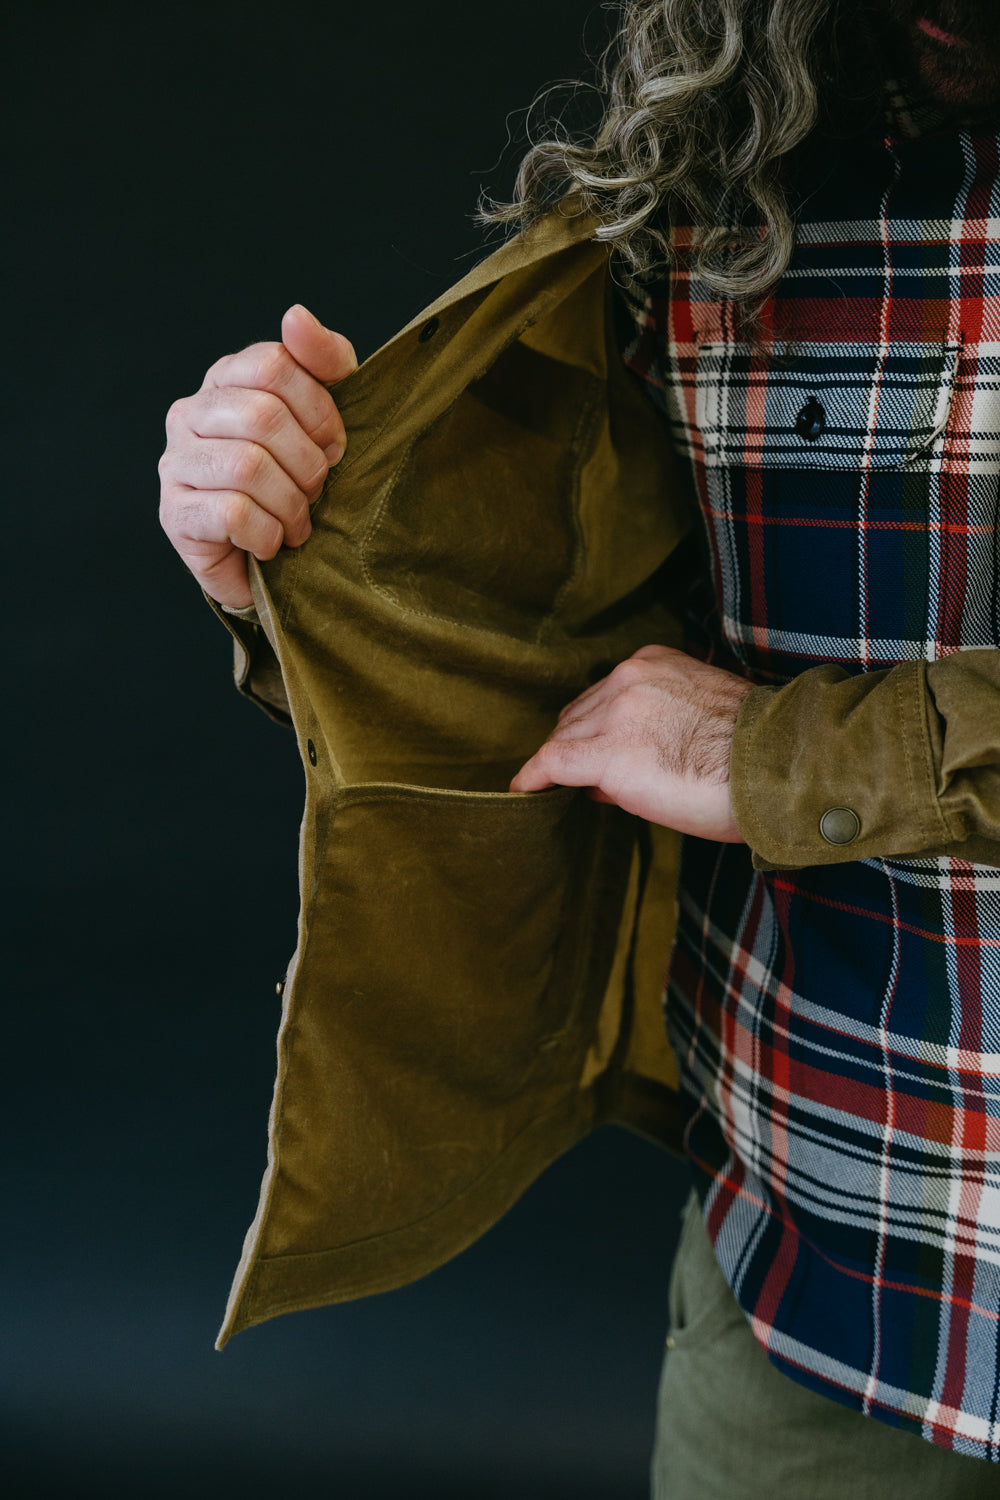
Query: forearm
[[912, 752]]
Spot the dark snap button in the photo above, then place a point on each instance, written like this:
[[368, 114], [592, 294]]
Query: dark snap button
[[428, 331], [311, 752], [839, 825], [811, 420]]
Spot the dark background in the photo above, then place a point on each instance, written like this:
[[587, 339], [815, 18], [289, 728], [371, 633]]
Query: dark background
[[179, 176]]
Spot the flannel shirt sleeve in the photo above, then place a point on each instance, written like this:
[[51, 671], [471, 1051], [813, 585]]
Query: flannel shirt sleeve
[[913, 752]]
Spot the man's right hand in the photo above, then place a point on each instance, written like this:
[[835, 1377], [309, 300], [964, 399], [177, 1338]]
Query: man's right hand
[[249, 452]]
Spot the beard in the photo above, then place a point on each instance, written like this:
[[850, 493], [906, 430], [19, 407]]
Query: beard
[[955, 54]]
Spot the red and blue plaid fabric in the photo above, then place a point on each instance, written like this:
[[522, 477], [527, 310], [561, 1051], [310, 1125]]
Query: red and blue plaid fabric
[[838, 1027]]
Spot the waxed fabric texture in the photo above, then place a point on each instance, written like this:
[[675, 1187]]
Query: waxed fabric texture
[[729, 1424], [445, 1043], [462, 1004], [913, 751]]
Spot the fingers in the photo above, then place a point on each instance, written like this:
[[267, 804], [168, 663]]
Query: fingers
[[654, 737], [250, 451], [220, 489], [327, 355], [604, 696], [561, 762], [576, 751], [627, 674], [212, 532], [271, 367], [604, 735], [583, 702], [221, 570], [249, 419], [200, 522]]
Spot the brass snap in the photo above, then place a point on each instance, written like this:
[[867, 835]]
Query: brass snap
[[840, 825]]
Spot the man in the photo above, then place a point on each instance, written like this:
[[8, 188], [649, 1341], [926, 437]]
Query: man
[[832, 380]]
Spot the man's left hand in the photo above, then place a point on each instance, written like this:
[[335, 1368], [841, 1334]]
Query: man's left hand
[[654, 737]]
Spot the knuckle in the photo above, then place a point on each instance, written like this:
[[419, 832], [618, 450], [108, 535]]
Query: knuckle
[[318, 477], [237, 511], [555, 752], [165, 512], [271, 364], [264, 413], [620, 712], [628, 673], [216, 374], [298, 519], [248, 465], [328, 427], [274, 536], [177, 414]]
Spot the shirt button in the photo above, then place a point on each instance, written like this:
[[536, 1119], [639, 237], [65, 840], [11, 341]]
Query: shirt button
[[671, 1341], [811, 421], [839, 825]]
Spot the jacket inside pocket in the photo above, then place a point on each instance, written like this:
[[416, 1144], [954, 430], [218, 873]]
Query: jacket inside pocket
[[452, 962]]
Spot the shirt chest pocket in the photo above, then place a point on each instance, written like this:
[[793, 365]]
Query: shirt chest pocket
[[825, 406], [822, 498]]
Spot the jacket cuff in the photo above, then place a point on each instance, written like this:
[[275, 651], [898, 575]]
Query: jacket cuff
[[834, 767], [255, 667]]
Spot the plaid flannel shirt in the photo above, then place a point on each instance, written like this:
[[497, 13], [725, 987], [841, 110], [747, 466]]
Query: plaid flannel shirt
[[838, 1027]]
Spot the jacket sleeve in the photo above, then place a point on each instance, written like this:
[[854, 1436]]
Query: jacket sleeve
[[255, 666], [902, 762]]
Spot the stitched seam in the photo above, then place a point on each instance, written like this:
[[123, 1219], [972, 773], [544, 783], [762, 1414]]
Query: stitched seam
[[530, 315], [910, 768], [930, 770], [537, 1120], [355, 453], [535, 309], [544, 629], [911, 776], [290, 591], [584, 430], [400, 792], [758, 827]]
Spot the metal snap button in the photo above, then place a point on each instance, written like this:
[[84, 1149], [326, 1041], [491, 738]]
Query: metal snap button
[[840, 825], [810, 423]]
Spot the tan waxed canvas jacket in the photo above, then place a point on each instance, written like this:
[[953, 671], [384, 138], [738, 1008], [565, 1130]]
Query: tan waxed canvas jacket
[[478, 976]]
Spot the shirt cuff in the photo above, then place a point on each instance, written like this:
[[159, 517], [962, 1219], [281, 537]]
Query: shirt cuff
[[248, 613]]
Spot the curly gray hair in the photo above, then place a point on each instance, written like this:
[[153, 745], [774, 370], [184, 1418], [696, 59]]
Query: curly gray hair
[[705, 102]]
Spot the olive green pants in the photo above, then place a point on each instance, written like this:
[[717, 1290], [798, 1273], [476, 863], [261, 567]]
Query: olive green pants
[[731, 1427]]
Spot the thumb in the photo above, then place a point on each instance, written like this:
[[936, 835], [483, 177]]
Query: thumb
[[325, 354]]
